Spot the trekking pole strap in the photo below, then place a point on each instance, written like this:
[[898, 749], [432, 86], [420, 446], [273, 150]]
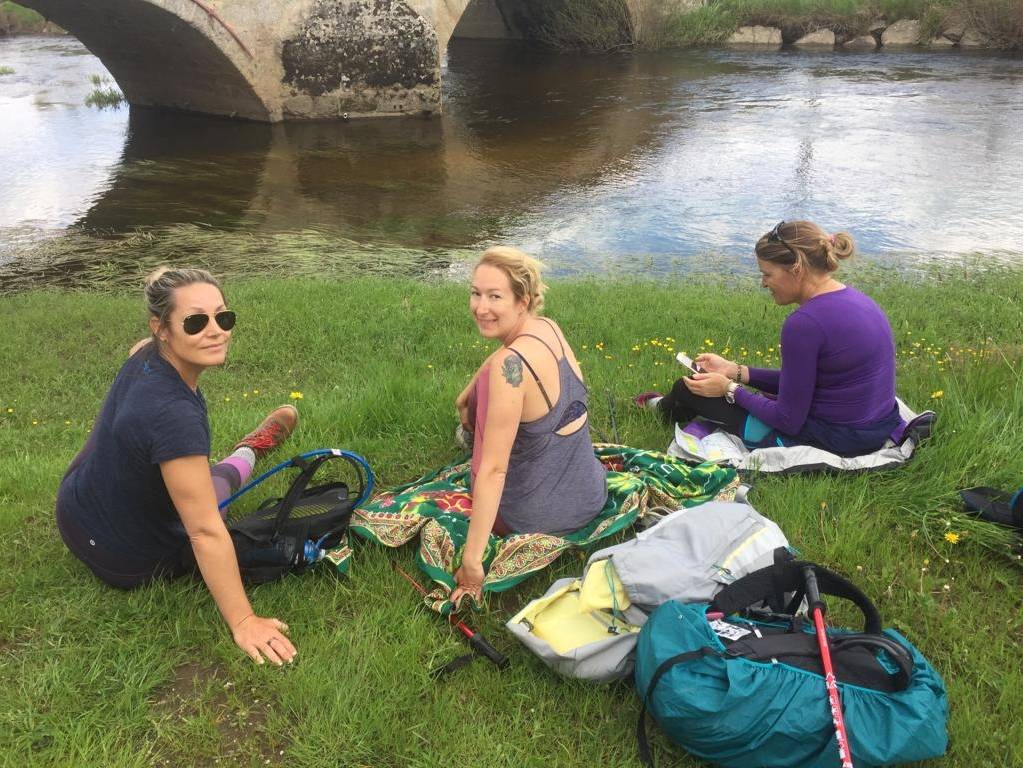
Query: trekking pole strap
[[767, 583], [642, 743]]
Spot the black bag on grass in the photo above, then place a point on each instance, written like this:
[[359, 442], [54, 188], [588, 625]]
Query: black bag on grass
[[995, 506], [292, 532]]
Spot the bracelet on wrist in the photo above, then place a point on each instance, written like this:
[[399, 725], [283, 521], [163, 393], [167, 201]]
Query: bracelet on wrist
[[737, 378]]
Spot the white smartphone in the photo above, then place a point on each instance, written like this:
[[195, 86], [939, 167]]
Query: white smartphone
[[687, 362]]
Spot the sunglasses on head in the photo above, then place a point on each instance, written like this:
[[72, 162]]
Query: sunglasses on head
[[774, 236], [194, 324]]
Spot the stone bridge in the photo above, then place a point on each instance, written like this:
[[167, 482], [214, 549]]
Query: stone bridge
[[273, 60]]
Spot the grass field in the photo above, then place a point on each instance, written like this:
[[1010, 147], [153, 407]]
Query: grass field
[[91, 676]]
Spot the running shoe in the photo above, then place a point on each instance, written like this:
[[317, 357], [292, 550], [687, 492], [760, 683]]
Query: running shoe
[[647, 399], [273, 431]]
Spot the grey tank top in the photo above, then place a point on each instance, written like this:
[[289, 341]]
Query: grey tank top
[[554, 484]]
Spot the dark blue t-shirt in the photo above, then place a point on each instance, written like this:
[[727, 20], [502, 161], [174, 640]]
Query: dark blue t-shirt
[[114, 490]]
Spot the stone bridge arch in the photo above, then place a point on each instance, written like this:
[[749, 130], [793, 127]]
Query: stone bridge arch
[[272, 60], [167, 53]]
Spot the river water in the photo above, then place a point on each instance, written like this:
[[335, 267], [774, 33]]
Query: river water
[[640, 164]]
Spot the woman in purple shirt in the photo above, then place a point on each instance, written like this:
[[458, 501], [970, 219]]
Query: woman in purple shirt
[[836, 386]]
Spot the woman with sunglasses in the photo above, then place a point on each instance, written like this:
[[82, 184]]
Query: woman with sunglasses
[[141, 490], [836, 386]]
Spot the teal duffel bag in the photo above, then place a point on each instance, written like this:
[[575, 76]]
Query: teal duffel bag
[[739, 682]]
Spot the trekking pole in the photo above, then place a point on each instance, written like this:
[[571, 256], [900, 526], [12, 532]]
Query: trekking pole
[[476, 641], [813, 596], [611, 411]]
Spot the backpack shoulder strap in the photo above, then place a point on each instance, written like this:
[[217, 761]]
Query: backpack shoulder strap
[[767, 583], [298, 485]]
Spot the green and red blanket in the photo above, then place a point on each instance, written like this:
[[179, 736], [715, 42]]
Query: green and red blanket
[[434, 507]]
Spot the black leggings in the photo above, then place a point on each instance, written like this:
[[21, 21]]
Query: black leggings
[[682, 406]]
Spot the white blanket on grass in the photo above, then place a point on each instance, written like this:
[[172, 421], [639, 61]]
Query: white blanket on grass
[[724, 448]]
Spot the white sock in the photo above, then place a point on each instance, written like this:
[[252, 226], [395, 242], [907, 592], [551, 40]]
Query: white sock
[[246, 454], [653, 401]]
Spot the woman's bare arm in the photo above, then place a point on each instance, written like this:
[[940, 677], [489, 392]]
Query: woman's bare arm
[[190, 486]]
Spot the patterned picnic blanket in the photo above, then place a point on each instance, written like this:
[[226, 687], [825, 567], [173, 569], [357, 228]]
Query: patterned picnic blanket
[[434, 508]]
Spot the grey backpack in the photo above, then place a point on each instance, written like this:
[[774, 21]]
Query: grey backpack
[[587, 627]]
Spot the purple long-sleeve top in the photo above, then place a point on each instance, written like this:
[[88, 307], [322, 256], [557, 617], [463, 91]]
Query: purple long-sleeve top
[[837, 365]]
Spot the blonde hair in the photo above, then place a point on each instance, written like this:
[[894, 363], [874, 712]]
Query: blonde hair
[[523, 273], [806, 244], [163, 281]]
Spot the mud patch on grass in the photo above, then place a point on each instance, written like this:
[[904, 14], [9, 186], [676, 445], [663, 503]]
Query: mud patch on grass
[[201, 717]]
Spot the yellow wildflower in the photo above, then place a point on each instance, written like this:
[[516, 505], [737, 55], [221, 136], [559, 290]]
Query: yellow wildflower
[[937, 394], [296, 395], [952, 537]]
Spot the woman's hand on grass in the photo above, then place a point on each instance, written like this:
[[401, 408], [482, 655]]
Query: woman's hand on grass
[[707, 384], [264, 638], [469, 581]]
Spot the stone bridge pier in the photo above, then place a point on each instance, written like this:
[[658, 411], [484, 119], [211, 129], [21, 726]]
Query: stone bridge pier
[[273, 60]]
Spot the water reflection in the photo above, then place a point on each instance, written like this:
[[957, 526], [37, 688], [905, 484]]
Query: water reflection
[[178, 168], [591, 162], [445, 183]]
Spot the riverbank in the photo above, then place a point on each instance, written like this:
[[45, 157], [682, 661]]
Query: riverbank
[[605, 25], [17, 20], [149, 678]]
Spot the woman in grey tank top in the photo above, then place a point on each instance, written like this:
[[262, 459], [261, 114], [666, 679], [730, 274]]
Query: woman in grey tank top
[[533, 466]]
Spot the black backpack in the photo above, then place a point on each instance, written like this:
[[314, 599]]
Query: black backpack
[[293, 532]]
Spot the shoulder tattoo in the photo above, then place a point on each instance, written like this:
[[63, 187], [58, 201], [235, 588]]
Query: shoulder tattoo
[[511, 369]]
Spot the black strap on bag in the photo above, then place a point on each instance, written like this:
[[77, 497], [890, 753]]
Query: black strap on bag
[[853, 653], [273, 540], [768, 583]]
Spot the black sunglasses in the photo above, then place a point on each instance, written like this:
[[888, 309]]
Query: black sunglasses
[[774, 236], [194, 324]]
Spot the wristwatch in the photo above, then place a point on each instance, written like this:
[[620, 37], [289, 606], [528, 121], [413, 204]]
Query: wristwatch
[[730, 392]]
